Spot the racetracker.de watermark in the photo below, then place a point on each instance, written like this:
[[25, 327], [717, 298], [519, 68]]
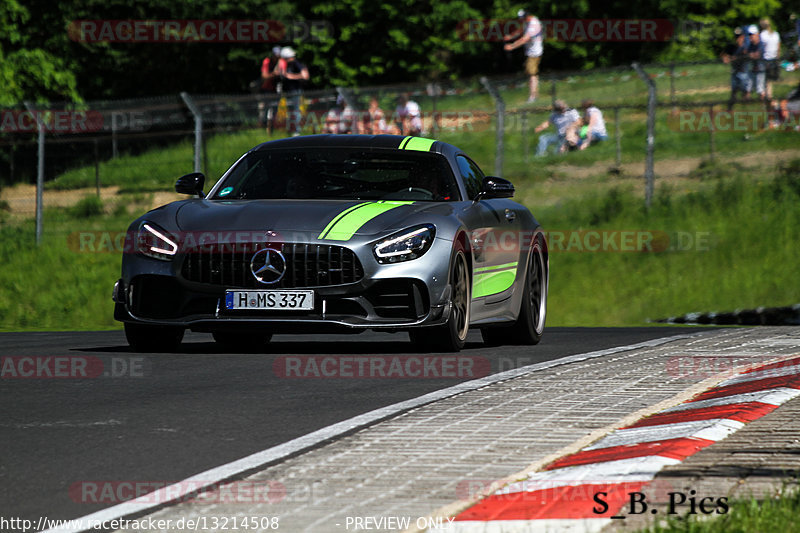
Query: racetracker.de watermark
[[698, 120], [113, 492], [380, 366], [72, 367], [18, 121], [482, 240], [571, 30], [197, 31]]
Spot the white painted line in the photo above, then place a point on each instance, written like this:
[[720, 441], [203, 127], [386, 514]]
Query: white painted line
[[771, 396], [714, 430], [549, 525], [762, 374], [175, 492], [620, 471]]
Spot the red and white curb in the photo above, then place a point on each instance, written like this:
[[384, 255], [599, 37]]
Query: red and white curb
[[561, 497]]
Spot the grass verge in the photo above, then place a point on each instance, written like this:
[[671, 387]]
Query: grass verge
[[745, 516]]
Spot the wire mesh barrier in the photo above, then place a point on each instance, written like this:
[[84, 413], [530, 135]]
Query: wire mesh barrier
[[123, 156]]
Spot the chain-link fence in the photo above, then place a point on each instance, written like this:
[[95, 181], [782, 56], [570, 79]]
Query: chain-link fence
[[122, 157]]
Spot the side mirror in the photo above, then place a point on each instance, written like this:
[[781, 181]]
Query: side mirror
[[494, 187], [191, 184]]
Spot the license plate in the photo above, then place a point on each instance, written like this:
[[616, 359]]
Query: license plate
[[270, 300]]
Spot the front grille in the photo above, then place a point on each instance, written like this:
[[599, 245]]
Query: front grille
[[307, 265]]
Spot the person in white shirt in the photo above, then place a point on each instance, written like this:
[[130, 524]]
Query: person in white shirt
[[566, 121], [772, 51], [529, 35], [410, 116], [593, 124]]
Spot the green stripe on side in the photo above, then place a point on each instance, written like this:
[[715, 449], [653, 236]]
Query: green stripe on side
[[497, 267], [404, 142], [419, 143], [347, 225], [338, 217], [489, 283]]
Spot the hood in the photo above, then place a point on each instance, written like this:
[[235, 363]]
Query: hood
[[324, 219]]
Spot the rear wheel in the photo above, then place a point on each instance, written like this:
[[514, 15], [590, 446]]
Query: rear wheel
[[144, 338], [451, 336], [529, 326], [241, 341]]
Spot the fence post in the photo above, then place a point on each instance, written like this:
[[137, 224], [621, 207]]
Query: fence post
[[11, 162], [618, 137], [649, 172], [524, 126], [500, 110], [96, 168], [114, 151], [434, 90], [39, 171], [672, 85], [711, 139], [198, 128]]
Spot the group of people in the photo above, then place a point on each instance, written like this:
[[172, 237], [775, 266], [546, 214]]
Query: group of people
[[753, 57], [284, 75], [343, 118], [573, 130]]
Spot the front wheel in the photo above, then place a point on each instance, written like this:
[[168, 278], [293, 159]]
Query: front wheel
[[144, 338], [451, 336]]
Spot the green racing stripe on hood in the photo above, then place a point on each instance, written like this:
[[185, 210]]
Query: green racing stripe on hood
[[349, 221]]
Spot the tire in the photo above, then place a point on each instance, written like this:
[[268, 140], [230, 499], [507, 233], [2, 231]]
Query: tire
[[149, 339], [529, 326], [241, 341], [451, 336]]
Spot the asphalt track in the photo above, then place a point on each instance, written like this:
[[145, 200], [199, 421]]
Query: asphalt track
[[168, 416]]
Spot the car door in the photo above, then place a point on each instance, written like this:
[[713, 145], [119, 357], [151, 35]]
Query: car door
[[495, 235]]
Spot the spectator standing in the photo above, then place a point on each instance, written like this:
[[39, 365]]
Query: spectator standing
[[409, 116], [333, 118], [566, 121], [293, 75], [377, 118], [758, 67], [270, 87], [736, 56], [594, 124], [772, 52], [530, 36]]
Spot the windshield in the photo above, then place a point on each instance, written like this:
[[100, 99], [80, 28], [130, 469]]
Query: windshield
[[340, 173]]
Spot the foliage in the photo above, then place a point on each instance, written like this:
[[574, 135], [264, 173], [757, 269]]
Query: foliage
[[367, 42]]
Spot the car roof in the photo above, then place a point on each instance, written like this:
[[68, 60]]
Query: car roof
[[385, 142]]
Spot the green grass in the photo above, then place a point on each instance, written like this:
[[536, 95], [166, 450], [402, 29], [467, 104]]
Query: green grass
[[747, 258], [744, 516], [52, 287]]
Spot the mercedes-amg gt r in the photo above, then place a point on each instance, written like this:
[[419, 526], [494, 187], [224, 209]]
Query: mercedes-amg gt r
[[337, 233]]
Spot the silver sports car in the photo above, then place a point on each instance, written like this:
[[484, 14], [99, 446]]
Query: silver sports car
[[337, 233]]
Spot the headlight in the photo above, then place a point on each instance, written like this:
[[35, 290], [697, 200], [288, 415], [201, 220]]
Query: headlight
[[154, 241], [406, 245]]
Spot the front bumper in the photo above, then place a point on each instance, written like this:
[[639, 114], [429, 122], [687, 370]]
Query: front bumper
[[397, 296]]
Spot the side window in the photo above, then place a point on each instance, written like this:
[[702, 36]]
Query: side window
[[472, 176]]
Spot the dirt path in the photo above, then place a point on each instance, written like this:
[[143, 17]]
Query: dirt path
[[679, 168], [21, 198]]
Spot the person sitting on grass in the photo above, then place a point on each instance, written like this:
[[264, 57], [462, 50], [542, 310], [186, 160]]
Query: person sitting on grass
[[566, 121], [594, 126]]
